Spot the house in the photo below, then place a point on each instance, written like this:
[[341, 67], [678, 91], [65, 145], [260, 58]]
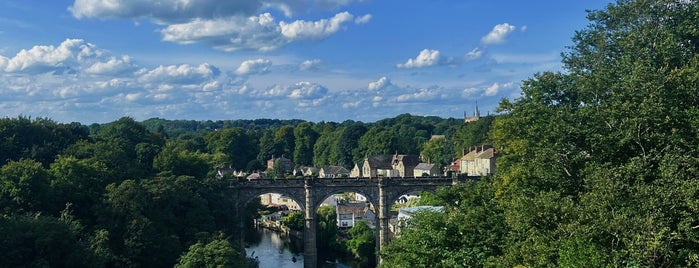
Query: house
[[221, 172], [426, 168], [279, 200], [484, 163], [333, 172], [379, 165], [479, 161], [453, 167], [286, 163], [404, 165], [349, 213], [356, 171], [257, 176], [306, 171]]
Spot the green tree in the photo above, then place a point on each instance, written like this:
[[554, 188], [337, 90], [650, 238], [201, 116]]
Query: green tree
[[295, 221], [362, 243], [305, 138], [24, 187], [34, 240], [436, 151], [284, 141], [603, 157], [234, 143], [218, 252], [326, 233]]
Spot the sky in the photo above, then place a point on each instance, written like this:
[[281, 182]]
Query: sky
[[95, 61]]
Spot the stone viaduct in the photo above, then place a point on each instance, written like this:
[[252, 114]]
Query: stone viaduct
[[310, 193]]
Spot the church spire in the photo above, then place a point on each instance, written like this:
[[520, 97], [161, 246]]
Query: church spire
[[476, 113]]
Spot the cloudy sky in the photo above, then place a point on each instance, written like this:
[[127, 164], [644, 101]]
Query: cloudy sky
[[94, 61]]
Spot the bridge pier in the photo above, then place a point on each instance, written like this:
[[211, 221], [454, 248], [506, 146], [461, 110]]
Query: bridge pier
[[383, 218], [310, 251]]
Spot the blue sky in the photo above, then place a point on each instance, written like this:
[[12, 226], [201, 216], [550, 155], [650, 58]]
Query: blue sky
[[94, 61]]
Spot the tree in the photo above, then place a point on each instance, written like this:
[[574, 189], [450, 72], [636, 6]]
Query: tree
[[469, 233], [218, 252], [326, 233], [305, 138], [362, 243], [284, 141], [436, 151], [34, 240], [604, 163], [294, 221], [24, 187], [234, 143]]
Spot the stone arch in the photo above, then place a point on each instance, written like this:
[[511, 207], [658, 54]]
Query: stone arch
[[371, 198], [297, 195], [396, 193]]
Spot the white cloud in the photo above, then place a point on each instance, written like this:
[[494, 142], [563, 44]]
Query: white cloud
[[426, 58], [498, 34], [69, 55], [113, 66], [309, 65], [422, 95], [260, 32], [307, 90], [492, 90], [257, 66], [474, 54], [180, 74], [308, 30], [468, 92], [382, 83], [363, 19]]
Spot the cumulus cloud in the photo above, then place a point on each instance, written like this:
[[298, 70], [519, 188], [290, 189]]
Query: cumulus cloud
[[492, 90], [226, 25], [301, 29], [180, 10], [474, 54], [495, 88], [307, 90], [257, 66], [422, 94], [113, 66], [260, 32], [70, 54], [499, 34], [382, 83], [426, 58], [180, 74], [309, 65]]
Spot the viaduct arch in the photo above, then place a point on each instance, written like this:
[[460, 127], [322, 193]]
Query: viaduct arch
[[310, 193]]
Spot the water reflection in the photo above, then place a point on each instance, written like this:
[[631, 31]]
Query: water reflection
[[273, 250]]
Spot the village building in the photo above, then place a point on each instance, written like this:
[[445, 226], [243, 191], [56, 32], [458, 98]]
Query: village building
[[348, 214]]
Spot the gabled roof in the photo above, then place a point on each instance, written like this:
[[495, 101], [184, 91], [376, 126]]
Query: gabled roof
[[380, 161], [334, 170], [487, 154], [407, 160], [357, 209], [424, 166], [470, 156]]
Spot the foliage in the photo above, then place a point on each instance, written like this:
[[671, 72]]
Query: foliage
[[362, 243], [468, 234], [326, 233], [43, 241], [295, 221], [218, 252]]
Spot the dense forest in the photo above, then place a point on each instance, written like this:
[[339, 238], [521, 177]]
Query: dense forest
[[598, 167]]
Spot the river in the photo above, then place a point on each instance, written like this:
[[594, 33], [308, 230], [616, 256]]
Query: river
[[274, 250]]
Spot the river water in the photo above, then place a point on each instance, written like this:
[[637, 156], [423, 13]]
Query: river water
[[276, 251]]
